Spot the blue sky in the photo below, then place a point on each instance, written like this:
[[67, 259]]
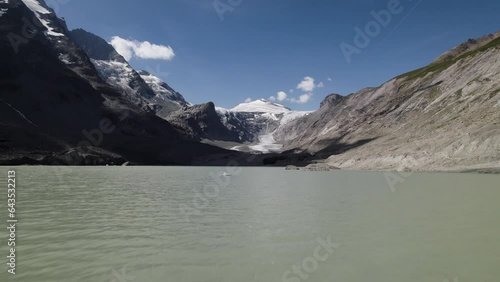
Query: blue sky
[[261, 47]]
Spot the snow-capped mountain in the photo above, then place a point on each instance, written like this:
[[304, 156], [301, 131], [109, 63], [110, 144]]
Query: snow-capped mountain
[[260, 106], [250, 126], [263, 119], [250, 123], [162, 90], [246, 123], [123, 77], [45, 15], [56, 109], [141, 87]]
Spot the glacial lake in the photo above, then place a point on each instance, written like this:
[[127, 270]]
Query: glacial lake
[[260, 224]]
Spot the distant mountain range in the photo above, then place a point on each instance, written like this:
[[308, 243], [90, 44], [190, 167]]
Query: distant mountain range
[[68, 97]]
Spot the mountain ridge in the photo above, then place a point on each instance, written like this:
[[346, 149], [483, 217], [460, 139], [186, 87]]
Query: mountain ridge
[[449, 108], [143, 88]]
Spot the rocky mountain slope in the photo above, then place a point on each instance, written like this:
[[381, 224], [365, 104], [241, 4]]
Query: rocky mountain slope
[[470, 45], [55, 108], [445, 116], [141, 87]]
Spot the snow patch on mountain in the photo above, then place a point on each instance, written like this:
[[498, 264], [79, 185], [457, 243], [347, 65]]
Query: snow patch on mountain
[[162, 90], [222, 110], [40, 10], [291, 116], [115, 73], [65, 58]]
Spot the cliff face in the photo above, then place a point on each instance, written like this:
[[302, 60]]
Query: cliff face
[[203, 122], [445, 116]]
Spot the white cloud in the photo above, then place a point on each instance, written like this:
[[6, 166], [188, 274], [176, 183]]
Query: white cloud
[[307, 84], [142, 50], [291, 91], [248, 100], [329, 79], [303, 99], [282, 96], [321, 85]]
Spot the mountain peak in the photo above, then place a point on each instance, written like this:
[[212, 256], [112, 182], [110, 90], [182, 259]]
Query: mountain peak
[[96, 47], [162, 89], [331, 100], [45, 15], [143, 72], [470, 45], [261, 106]]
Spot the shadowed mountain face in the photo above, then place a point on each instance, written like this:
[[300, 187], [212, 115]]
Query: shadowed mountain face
[[94, 46], [203, 122], [54, 107]]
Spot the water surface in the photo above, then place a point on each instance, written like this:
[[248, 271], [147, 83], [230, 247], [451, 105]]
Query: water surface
[[174, 224]]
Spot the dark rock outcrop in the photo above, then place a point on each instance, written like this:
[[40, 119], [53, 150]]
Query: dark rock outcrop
[[203, 122]]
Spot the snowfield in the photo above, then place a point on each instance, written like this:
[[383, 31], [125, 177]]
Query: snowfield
[[115, 73], [291, 116], [260, 106]]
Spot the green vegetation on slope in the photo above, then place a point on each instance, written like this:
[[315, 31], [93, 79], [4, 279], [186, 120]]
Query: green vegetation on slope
[[422, 72]]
